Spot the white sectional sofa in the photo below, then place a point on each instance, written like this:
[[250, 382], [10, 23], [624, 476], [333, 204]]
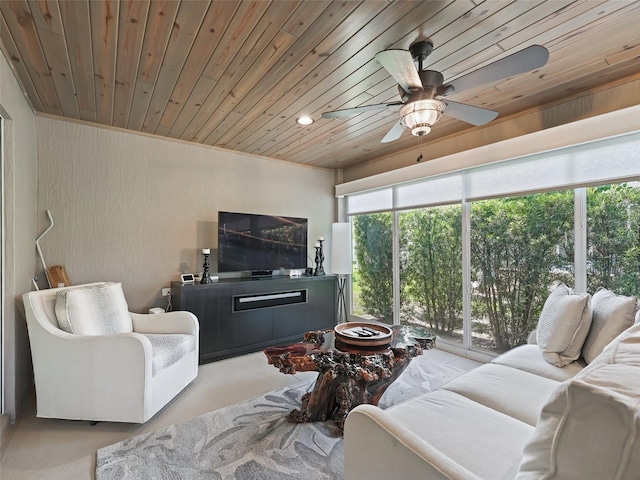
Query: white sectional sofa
[[519, 417]]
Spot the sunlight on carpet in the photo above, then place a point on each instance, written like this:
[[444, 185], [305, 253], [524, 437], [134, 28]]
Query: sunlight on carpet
[[252, 440]]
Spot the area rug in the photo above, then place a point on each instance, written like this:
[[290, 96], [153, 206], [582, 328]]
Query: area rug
[[252, 440]]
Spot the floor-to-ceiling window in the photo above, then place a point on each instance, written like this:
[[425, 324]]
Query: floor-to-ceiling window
[[520, 248], [473, 254], [613, 238], [431, 269], [372, 279]]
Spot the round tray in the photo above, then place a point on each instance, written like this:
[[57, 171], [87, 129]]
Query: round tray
[[346, 333]]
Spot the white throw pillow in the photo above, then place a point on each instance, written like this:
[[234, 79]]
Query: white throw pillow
[[590, 428], [563, 325], [612, 315], [93, 310]]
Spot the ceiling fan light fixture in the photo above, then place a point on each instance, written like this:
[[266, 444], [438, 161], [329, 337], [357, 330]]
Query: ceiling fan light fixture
[[418, 117]]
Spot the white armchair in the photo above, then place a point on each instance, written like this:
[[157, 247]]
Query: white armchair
[[121, 377]]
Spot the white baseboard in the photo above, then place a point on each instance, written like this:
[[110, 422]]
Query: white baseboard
[[478, 356]]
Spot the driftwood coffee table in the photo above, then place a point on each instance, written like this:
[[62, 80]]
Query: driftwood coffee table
[[349, 375]]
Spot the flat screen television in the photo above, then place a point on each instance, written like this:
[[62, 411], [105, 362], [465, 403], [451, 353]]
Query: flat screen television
[[250, 242]]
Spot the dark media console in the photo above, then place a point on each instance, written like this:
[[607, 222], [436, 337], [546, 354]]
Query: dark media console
[[243, 315]]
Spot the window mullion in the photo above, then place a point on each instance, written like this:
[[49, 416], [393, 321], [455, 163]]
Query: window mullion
[[466, 270], [580, 239], [396, 268]]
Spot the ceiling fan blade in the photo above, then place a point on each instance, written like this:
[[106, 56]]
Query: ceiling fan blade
[[525, 60], [469, 113], [401, 67], [365, 108], [394, 134]]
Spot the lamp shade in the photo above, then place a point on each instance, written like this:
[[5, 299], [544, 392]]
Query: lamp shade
[[341, 260]]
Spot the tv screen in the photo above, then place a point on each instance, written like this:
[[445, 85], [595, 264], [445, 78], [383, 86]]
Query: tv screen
[[260, 242]]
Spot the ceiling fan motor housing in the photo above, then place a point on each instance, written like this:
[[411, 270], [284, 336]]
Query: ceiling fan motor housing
[[431, 80], [420, 51]]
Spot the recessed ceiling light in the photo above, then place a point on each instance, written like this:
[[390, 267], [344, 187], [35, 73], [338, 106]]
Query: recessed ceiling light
[[304, 120]]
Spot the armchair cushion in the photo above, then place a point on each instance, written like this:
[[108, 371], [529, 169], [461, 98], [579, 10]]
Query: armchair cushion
[[563, 325], [93, 310], [612, 315], [168, 349]]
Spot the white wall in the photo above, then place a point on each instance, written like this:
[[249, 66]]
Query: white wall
[[138, 208], [19, 199]]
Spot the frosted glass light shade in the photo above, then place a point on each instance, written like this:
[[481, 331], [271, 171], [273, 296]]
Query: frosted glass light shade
[[419, 116], [341, 260]]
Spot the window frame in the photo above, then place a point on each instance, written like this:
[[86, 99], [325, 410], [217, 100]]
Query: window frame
[[607, 175]]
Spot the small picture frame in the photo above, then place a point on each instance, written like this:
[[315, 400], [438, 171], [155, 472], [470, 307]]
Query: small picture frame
[[187, 278]]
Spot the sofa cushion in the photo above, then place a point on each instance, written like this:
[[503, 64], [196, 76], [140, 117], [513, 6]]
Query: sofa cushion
[[93, 310], [167, 349], [563, 325], [529, 359], [590, 428], [612, 314], [478, 438], [507, 390]]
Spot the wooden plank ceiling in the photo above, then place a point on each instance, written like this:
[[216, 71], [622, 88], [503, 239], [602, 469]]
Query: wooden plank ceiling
[[236, 74]]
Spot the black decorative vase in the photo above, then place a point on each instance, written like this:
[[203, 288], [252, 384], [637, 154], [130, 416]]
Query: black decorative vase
[[206, 278], [319, 260]]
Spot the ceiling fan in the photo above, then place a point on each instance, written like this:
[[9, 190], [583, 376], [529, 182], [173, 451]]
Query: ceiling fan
[[422, 91]]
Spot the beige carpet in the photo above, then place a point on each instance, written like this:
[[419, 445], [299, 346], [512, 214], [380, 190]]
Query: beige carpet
[[60, 449], [253, 440]]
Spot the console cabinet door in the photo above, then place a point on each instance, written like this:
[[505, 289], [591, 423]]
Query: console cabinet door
[[251, 327], [322, 305], [226, 330], [211, 307], [290, 320]]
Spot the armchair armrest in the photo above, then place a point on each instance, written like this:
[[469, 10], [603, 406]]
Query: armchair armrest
[[532, 339], [108, 375], [170, 322], [377, 446]]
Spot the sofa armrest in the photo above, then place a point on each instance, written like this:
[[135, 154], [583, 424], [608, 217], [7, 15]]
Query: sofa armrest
[[532, 339], [170, 322], [376, 446]]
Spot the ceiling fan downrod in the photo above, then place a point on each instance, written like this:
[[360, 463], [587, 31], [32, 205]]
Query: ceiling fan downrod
[[420, 51]]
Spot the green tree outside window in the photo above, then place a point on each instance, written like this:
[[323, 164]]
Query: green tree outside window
[[520, 247]]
